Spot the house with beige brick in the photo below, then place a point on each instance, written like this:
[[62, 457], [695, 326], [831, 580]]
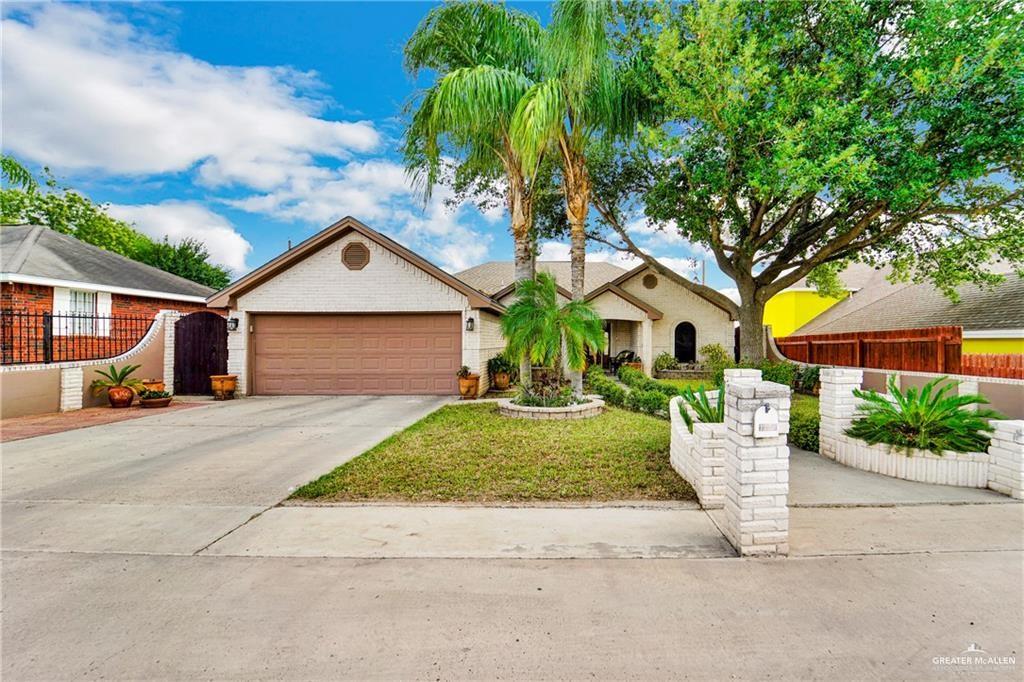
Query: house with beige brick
[[644, 311], [350, 311]]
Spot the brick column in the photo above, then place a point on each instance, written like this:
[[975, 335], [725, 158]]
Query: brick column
[[756, 470], [72, 387], [742, 375], [1006, 458], [169, 318], [647, 345], [837, 405]]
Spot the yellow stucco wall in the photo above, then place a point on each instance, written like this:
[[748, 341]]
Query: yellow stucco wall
[[787, 311], [996, 346]]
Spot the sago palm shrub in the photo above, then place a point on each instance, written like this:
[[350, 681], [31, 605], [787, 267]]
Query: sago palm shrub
[[706, 411], [924, 419]]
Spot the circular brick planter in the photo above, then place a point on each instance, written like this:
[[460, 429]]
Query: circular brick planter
[[594, 407]]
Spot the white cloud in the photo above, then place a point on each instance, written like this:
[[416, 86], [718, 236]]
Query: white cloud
[[84, 90], [178, 220], [732, 292]]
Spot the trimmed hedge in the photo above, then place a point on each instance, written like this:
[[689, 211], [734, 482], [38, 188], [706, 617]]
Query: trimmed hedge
[[638, 381], [640, 397], [804, 420]]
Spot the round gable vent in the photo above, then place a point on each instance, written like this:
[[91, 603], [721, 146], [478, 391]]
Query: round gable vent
[[355, 256], [650, 281]]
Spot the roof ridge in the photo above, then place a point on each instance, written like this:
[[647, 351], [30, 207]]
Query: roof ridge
[[30, 240]]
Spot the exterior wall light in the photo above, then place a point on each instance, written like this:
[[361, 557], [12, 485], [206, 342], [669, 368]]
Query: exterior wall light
[[232, 324], [470, 324]]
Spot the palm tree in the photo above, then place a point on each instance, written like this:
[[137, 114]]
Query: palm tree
[[582, 95], [539, 326], [485, 58]]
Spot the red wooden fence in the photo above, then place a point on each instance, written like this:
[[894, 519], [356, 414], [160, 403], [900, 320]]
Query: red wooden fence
[[929, 349], [985, 365]]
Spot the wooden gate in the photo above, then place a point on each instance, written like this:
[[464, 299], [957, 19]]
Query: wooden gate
[[200, 349]]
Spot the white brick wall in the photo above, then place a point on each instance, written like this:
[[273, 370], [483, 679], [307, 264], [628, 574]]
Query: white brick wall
[[756, 470], [71, 388], [611, 306], [321, 283], [699, 457], [170, 319], [681, 305], [1006, 458]]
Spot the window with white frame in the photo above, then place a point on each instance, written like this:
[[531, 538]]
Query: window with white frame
[[77, 312]]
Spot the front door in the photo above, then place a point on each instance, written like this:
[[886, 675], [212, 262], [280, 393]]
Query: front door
[[686, 343]]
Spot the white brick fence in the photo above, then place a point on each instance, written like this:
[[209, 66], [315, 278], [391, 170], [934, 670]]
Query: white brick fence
[[732, 470], [1001, 468]]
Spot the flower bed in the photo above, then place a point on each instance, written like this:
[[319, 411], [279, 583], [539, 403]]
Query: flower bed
[[965, 469], [591, 408]]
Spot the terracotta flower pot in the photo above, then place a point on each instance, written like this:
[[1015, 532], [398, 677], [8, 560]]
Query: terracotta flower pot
[[120, 396], [153, 384], [469, 386], [154, 402], [635, 365], [501, 381], [223, 386]]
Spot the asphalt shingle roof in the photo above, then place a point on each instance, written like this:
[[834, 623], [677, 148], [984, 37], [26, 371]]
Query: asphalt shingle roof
[[494, 276], [42, 252], [906, 306]]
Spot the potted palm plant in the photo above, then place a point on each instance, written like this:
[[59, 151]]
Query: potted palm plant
[[118, 384], [539, 326], [500, 368], [469, 383]]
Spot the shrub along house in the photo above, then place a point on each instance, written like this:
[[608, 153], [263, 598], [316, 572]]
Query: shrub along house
[[349, 311], [63, 299]]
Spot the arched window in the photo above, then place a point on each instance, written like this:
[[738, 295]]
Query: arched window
[[686, 342]]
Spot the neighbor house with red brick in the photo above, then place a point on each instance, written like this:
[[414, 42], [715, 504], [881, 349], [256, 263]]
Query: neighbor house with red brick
[[64, 299]]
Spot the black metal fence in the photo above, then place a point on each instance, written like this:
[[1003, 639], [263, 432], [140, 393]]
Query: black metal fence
[[28, 337]]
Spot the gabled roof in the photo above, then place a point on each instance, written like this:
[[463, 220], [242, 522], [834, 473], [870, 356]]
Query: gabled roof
[[36, 254], [905, 306], [226, 297], [497, 276], [651, 311], [625, 277]]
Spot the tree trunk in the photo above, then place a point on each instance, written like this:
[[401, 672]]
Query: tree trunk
[[577, 202], [525, 267], [520, 207], [751, 323]]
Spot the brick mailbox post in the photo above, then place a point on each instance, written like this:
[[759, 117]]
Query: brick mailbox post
[[757, 467]]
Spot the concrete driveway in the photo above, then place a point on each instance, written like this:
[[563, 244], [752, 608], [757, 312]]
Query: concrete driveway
[[176, 482]]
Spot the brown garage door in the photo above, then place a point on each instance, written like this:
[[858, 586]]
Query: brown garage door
[[353, 354]]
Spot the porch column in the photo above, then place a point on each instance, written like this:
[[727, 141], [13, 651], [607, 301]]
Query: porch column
[[647, 345]]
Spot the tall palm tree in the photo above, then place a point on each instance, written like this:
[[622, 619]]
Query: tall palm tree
[[581, 95], [537, 324], [485, 57]]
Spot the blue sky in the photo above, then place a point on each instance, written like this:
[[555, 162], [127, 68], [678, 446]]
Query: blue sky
[[244, 124]]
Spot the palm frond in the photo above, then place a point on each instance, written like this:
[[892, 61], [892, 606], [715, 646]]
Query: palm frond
[[924, 419]]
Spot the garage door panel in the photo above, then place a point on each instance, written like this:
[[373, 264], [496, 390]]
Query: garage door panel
[[371, 354]]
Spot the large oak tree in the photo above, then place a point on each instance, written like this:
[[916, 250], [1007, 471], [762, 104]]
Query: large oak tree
[[798, 137]]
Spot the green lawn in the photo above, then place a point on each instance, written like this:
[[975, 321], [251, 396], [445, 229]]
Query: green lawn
[[688, 383], [471, 453], [804, 404]]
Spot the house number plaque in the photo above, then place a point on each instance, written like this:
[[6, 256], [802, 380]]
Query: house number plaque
[[766, 422]]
